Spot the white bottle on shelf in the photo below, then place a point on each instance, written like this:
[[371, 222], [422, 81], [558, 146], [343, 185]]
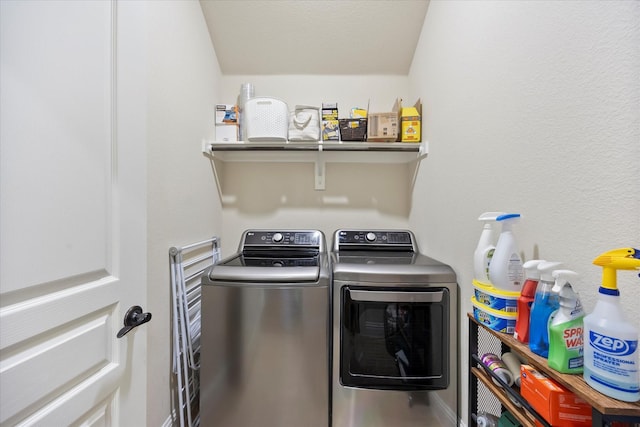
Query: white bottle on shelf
[[505, 270], [247, 91], [485, 248], [485, 419], [610, 340]]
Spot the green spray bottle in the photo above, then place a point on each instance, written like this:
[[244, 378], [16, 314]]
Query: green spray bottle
[[566, 342]]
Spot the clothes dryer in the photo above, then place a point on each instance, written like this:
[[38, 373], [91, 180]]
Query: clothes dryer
[[395, 329]]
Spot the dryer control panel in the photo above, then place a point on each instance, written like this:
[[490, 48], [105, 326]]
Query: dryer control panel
[[282, 238], [374, 240]]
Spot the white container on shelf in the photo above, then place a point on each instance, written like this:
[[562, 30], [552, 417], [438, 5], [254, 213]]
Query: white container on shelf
[[247, 91], [485, 248], [505, 270], [227, 133], [266, 119]]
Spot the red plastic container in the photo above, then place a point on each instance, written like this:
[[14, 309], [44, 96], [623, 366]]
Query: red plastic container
[[525, 300]]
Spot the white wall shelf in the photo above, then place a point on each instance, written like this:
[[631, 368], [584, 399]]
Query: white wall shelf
[[318, 153]]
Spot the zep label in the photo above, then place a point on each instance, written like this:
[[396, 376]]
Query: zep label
[[616, 358], [611, 345]]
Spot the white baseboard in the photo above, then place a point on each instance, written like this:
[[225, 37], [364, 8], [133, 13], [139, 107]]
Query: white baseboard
[[445, 414], [171, 419]]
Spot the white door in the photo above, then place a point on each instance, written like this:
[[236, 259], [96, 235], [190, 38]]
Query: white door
[[72, 212]]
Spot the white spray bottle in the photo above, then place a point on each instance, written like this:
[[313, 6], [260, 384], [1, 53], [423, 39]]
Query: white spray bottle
[[484, 250], [610, 341], [505, 271]]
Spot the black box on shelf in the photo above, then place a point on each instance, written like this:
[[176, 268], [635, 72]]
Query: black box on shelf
[[353, 129]]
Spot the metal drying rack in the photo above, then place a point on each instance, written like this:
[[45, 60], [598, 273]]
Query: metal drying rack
[[188, 263]]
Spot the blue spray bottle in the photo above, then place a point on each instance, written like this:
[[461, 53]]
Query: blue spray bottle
[[544, 304]]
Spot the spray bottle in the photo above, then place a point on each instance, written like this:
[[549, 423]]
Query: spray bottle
[[505, 270], [611, 342], [484, 250], [525, 300], [566, 343], [544, 304]]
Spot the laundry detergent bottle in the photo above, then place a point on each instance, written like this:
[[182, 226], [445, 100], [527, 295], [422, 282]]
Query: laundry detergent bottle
[[611, 342], [566, 343], [505, 269], [485, 419], [525, 300], [486, 246], [544, 305]]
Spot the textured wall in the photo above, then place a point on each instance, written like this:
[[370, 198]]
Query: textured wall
[[531, 107], [272, 195], [182, 203]]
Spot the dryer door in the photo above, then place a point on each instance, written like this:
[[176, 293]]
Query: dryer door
[[395, 339]]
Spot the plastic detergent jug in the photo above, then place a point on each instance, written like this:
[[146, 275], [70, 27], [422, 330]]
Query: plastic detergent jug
[[611, 342], [484, 250], [566, 347], [525, 300], [485, 419], [505, 269], [544, 304]]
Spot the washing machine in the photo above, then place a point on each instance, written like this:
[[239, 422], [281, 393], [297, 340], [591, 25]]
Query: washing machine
[[395, 330], [265, 333]]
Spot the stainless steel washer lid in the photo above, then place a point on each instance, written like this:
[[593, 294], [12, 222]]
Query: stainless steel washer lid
[[384, 256], [274, 256], [227, 273], [378, 268]]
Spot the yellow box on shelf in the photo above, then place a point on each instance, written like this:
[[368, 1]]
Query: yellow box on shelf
[[411, 123]]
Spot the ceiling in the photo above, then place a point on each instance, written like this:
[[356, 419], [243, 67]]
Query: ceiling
[[326, 37]]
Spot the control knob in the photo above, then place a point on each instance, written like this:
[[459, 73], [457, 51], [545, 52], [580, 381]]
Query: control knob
[[277, 237], [371, 237]]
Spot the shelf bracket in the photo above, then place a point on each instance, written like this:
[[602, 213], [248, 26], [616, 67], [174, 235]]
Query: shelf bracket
[[216, 166], [320, 169], [415, 164], [206, 147]]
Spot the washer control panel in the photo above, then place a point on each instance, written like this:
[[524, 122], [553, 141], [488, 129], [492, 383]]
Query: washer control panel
[[289, 238], [374, 239]]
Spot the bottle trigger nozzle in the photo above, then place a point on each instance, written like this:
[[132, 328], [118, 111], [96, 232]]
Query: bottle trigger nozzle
[[614, 260]]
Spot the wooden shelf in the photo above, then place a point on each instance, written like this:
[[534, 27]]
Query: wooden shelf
[[519, 413], [606, 405]]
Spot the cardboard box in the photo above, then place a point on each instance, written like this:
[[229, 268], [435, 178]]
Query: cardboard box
[[384, 127], [353, 129], [331, 130], [329, 111], [358, 113], [411, 120], [227, 133], [508, 420], [559, 406], [226, 114]]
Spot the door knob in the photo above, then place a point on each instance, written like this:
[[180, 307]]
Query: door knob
[[134, 317]]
